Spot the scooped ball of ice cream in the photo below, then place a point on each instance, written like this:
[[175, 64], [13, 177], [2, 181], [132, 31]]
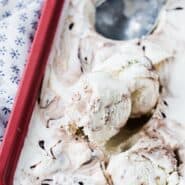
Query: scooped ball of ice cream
[[101, 101]]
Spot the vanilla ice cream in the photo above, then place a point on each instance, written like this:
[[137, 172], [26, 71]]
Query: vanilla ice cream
[[92, 87]]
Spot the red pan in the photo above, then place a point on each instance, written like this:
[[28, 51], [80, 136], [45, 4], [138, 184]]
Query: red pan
[[28, 90]]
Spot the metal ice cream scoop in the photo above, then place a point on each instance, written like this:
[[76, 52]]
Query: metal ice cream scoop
[[127, 19]]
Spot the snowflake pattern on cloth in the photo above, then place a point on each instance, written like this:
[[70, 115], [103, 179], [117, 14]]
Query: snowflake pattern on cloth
[[18, 22]]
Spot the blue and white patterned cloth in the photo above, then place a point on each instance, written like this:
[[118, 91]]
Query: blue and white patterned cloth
[[18, 22]]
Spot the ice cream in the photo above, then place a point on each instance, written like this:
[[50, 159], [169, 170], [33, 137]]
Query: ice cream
[[92, 87], [153, 159]]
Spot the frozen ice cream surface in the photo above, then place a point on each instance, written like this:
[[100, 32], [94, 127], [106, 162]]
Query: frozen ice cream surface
[[146, 163], [153, 159], [92, 88], [58, 157]]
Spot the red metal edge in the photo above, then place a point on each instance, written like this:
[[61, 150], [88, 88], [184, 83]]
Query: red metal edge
[[28, 90]]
